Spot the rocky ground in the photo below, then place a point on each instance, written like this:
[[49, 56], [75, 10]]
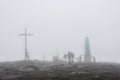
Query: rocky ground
[[33, 70]]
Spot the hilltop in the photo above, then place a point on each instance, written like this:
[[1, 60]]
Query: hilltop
[[37, 70]]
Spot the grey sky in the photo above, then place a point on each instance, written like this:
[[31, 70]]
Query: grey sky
[[59, 26]]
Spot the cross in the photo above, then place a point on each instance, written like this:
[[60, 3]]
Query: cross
[[27, 57]]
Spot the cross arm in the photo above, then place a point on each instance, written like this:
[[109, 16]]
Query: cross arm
[[26, 34]]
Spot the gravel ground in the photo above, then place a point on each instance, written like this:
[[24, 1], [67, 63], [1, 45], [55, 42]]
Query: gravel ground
[[78, 71]]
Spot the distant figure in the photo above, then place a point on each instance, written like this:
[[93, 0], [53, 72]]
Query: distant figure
[[65, 57], [70, 56]]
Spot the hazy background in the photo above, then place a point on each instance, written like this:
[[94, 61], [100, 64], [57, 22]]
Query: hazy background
[[59, 26]]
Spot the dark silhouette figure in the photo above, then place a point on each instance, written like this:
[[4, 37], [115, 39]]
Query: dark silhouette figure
[[65, 57], [70, 56]]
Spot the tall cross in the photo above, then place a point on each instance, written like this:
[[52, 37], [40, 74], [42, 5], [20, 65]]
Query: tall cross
[[27, 57]]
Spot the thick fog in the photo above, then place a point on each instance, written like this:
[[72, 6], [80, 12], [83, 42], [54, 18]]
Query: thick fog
[[59, 26]]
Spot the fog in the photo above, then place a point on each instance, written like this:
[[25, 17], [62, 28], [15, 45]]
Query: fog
[[59, 26]]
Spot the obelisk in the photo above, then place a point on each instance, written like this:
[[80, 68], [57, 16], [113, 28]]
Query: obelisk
[[87, 55]]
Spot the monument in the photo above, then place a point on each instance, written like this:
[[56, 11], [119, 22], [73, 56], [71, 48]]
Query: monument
[[27, 56], [87, 55]]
